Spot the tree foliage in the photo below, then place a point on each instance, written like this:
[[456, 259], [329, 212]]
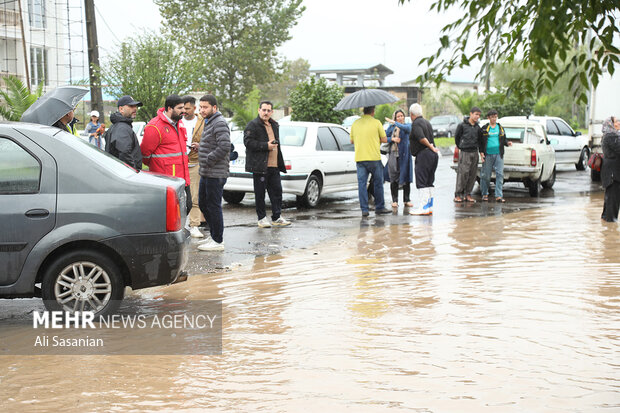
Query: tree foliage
[[505, 102], [541, 32], [236, 40], [464, 101], [17, 98], [386, 111], [292, 73], [243, 114], [148, 68], [314, 100]]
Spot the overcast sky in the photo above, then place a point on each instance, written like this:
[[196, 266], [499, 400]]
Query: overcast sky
[[329, 33]]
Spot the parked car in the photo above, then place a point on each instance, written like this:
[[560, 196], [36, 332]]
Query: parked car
[[445, 125], [319, 159], [77, 225], [531, 157], [348, 122], [571, 148]]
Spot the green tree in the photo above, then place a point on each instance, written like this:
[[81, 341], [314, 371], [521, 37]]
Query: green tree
[[243, 114], [386, 111], [236, 40], [290, 76], [464, 101], [17, 98], [314, 100], [148, 68], [506, 103], [543, 32]]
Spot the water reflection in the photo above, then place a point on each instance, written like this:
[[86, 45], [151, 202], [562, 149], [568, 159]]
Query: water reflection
[[506, 313]]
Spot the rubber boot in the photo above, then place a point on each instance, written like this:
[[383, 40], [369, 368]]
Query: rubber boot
[[424, 207]]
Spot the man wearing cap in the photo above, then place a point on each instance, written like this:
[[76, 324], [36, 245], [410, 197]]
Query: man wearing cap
[[91, 129], [121, 140]]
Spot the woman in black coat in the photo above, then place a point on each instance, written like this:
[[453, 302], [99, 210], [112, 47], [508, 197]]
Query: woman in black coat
[[610, 171]]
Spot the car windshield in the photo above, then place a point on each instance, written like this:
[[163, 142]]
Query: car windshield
[[95, 154], [292, 135], [517, 135], [440, 120]]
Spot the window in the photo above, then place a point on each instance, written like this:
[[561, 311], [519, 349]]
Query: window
[[19, 171], [38, 66], [344, 140], [292, 135], [551, 128], [325, 140], [564, 129], [36, 13]]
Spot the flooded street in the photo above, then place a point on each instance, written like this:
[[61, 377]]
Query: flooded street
[[516, 312]]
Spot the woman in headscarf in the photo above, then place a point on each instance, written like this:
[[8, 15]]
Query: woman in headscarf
[[400, 163], [610, 170]]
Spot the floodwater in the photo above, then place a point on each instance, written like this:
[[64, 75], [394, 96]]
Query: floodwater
[[511, 313]]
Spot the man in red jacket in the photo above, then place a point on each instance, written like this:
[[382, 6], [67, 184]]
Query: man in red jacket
[[164, 145]]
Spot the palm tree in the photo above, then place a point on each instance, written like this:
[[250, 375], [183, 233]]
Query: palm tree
[[464, 101], [17, 98]]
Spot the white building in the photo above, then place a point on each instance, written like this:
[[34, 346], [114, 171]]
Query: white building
[[45, 43]]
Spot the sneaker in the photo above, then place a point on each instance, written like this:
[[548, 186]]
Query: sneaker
[[205, 240], [281, 222], [211, 245], [383, 211], [264, 223], [194, 232]]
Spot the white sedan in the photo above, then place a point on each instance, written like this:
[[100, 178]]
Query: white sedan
[[531, 157], [319, 159]]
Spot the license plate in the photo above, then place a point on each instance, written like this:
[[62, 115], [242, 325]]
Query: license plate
[[240, 161]]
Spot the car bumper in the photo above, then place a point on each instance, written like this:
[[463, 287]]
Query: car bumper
[[153, 259], [243, 182]]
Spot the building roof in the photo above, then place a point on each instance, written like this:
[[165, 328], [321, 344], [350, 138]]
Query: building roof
[[352, 69]]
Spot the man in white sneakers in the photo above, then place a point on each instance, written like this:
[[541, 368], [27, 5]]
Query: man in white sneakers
[[263, 157]]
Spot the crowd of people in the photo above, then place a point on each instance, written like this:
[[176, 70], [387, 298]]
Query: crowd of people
[[196, 147]]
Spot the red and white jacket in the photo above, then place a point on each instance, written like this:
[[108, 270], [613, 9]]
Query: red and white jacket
[[164, 148]]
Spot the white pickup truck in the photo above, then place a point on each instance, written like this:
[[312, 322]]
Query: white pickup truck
[[530, 159]]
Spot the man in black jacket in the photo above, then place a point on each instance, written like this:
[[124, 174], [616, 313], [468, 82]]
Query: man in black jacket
[[120, 140], [468, 139], [263, 158], [213, 158]]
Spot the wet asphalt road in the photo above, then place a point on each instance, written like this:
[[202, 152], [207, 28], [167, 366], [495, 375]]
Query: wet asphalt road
[[339, 213]]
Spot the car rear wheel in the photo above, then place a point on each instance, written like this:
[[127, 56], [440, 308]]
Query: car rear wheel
[[582, 163], [548, 184], [233, 197], [312, 194], [533, 186], [83, 280]]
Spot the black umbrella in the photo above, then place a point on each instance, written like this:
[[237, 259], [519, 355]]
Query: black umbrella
[[365, 97], [53, 105]]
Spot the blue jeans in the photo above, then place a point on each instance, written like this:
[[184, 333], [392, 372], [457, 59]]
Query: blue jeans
[[210, 204], [374, 168], [492, 162]]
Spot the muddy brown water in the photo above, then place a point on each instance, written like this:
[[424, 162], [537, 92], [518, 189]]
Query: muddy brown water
[[511, 313]]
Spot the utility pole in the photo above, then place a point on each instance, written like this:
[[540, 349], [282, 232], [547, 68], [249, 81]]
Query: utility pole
[[96, 99], [21, 25]]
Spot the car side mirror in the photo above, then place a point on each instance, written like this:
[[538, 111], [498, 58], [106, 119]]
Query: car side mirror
[[553, 142], [577, 133]]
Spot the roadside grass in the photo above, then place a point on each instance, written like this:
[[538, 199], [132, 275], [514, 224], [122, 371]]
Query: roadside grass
[[444, 142]]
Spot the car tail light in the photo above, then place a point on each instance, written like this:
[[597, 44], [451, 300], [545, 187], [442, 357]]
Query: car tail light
[[173, 210], [288, 165], [455, 158], [533, 159]]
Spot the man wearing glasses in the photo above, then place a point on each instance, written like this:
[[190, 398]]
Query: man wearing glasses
[[264, 159]]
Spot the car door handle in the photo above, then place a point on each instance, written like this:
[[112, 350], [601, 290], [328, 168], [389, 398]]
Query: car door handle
[[37, 213]]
